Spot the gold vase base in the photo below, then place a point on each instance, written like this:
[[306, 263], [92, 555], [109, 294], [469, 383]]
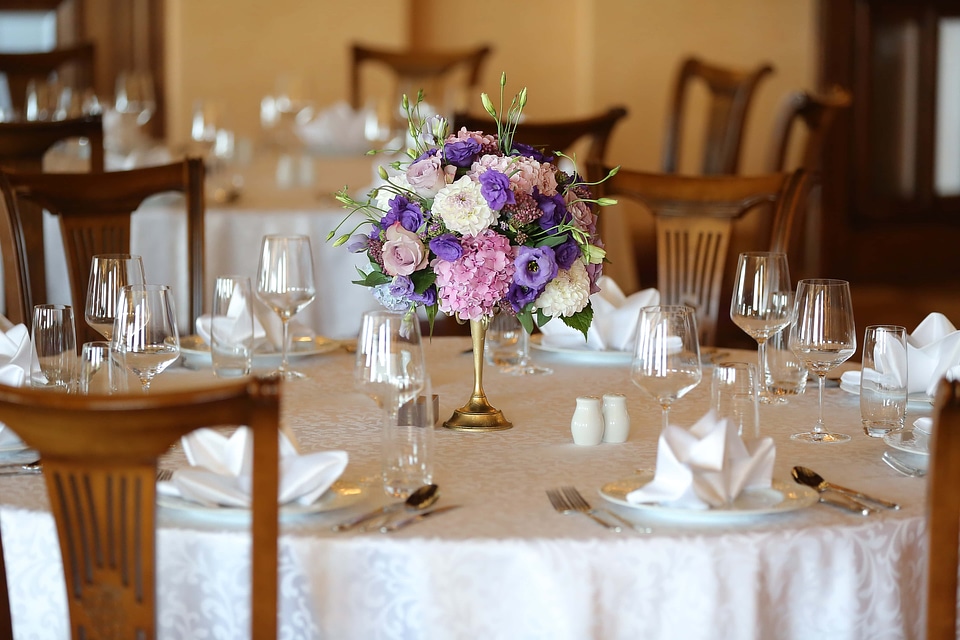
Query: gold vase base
[[478, 415]]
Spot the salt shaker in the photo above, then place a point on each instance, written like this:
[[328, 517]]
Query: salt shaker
[[616, 420], [587, 423]]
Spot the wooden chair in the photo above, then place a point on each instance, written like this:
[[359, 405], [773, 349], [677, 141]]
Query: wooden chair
[[100, 465], [943, 514], [701, 225], [731, 91], [94, 212], [412, 68], [559, 135], [817, 112], [21, 68]]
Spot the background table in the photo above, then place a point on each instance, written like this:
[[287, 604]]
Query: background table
[[505, 565]]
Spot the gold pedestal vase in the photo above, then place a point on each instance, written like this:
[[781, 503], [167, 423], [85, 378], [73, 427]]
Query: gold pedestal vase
[[478, 414]]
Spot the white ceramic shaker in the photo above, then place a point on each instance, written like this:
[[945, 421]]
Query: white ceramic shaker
[[616, 420], [587, 423]]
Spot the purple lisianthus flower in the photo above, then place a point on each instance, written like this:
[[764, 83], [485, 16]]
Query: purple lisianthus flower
[[407, 213], [520, 296], [429, 153], [447, 247], [461, 153], [389, 301], [401, 287], [495, 189], [536, 266], [567, 253], [358, 242], [428, 297], [533, 152], [554, 211]]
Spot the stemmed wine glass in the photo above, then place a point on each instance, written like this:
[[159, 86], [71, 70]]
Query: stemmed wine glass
[[666, 358], [524, 365], [823, 335], [145, 334], [760, 305], [109, 273], [285, 284]]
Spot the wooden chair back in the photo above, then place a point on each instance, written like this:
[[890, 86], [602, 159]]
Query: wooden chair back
[[943, 514], [94, 212], [100, 466], [412, 68], [21, 68], [701, 226], [558, 135], [816, 112], [731, 93]]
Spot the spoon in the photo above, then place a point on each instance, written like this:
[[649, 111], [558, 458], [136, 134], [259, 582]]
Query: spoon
[[421, 498], [811, 478]]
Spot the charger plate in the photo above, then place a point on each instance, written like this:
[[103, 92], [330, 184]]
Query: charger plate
[[195, 352]]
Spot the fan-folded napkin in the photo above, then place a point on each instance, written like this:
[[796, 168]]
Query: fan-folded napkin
[[926, 424], [15, 352], [338, 129], [932, 349], [266, 325], [220, 470], [615, 318], [707, 465]]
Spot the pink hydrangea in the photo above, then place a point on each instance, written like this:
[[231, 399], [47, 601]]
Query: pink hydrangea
[[472, 285], [485, 140]]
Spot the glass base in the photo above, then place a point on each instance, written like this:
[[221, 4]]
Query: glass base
[[769, 398], [823, 436], [526, 370], [287, 374]]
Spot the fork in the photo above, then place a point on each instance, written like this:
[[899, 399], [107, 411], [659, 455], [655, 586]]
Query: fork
[[579, 503], [164, 475], [900, 467], [563, 505]]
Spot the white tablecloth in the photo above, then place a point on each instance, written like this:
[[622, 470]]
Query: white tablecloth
[[506, 565]]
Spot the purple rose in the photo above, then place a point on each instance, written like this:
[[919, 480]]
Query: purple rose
[[536, 266], [461, 152], [495, 189], [520, 296], [407, 213], [428, 297], [554, 211], [567, 253], [447, 247], [401, 287]]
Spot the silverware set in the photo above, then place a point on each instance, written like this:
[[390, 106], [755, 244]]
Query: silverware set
[[414, 509], [567, 500], [841, 497]]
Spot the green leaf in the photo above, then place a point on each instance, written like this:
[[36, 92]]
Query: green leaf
[[374, 278], [542, 318], [423, 279], [581, 320], [526, 319], [552, 241], [431, 312]]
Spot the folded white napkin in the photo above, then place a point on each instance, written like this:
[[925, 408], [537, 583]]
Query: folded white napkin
[[337, 129], [615, 317], [220, 470], [15, 362], [706, 466], [266, 326], [932, 349], [923, 425]]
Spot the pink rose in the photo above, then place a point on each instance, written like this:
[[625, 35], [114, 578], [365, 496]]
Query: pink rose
[[403, 253], [426, 176]]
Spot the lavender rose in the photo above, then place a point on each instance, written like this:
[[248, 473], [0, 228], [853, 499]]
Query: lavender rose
[[447, 247], [554, 211], [536, 266], [461, 152], [426, 176], [403, 253], [495, 188]]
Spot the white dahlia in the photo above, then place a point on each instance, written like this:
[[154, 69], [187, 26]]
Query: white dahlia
[[463, 208], [566, 294]]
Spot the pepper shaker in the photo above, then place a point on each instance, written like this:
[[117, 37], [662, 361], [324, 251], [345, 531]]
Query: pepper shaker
[[616, 420], [587, 423]]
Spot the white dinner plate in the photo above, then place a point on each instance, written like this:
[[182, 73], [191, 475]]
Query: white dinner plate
[[196, 353], [779, 498], [340, 495], [13, 447], [584, 354], [909, 440], [918, 396]]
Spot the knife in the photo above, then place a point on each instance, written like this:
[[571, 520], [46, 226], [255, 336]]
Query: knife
[[400, 524], [844, 502], [20, 470]]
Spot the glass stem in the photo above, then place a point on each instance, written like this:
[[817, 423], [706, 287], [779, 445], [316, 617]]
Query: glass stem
[[762, 363], [819, 428], [666, 417], [524, 348], [283, 350]]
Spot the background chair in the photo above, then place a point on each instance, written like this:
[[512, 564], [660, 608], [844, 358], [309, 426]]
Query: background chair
[[731, 91], [817, 113], [100, 466], [75, 63], [94, 212], [560, 135], [701, 224]]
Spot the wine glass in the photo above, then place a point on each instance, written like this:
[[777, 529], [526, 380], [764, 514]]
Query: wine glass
[[524, 366], [823, 335], [389, 366], [666, 357], [145, 334], [109, 273], [285, 284], [760, 305], [135, 96]]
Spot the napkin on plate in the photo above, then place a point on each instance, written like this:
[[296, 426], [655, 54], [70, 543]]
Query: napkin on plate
[[266, 326], [706, 466], [220, 470], [15, 362], [615, 318], [337, 129], [932, 349]]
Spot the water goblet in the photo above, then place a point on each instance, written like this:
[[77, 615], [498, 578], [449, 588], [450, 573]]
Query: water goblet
[[524, 365], [666, 356], [109, 273], [285, 284], [54, 342], [145, 336], [823, 335], [100, 372], [760, 305]]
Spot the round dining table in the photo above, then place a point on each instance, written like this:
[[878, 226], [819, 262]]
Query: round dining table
[[505, 564]]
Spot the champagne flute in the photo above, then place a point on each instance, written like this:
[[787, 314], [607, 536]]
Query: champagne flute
[[666, 357], [285, 284], [109, 273], [760, 305], [145, 334], [823, 335]]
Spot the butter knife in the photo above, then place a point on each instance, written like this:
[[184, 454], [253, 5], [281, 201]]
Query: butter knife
[[403, 522]]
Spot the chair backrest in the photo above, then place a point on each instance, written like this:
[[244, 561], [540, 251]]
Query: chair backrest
[[94, 212], [21, 68], [817, 112], [100, 466], [943, 514], [731, 91], [701, 227], [559, 135], [412, 68]]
